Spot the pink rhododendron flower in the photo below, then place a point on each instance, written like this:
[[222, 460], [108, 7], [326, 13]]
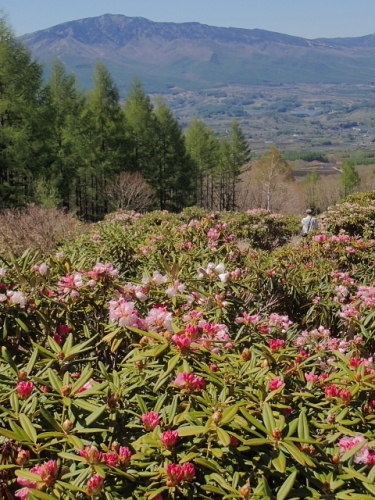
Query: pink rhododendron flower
[[102, 270], [248, 319], [24, 389], [94, 485], [189, 382], [168, 438], [17, 298], [123, 312], [42, 269], [276, 344], [88, 385], [182, 342], [48, 472], [176, 288], [124, 455], [150, 420], [311, 377], [332, 391], [91, 454], [111, 459], [347, 443], [276, 383], [346, 395], [158, 319], [177, 473]]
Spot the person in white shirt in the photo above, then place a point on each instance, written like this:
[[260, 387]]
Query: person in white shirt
[[309, 223]]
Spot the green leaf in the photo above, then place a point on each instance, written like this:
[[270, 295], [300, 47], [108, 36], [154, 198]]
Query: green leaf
[[28, 427], [300, 457], [71, 456], [208, 463], [54, 381], [268, 418], [256, 442], [191, 430], [221, 481], [85, 377], [228, 414], [8, 358], [50, 419], [24, 327], [76, 442], [41, 494], [94, 416], [32, 361], [286, 487], [170, 367], [252, 420], [280, 462], [303, 426], [223, 436]]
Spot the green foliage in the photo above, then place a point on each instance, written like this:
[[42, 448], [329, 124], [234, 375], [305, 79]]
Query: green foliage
[[256, 364], [349, 178]]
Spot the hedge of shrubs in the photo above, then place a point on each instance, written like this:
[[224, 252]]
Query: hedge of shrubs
[[159, 358]]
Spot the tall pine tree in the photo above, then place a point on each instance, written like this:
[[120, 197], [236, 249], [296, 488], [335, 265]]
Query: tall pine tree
[[173, 184], [22, 127]]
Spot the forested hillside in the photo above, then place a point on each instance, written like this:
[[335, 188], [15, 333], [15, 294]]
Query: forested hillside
[[91, 153]]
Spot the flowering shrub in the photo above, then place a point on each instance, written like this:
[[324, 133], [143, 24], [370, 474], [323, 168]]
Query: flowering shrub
[[156, 359]]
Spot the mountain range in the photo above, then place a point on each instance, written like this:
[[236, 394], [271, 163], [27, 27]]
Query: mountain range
[[194, 56]]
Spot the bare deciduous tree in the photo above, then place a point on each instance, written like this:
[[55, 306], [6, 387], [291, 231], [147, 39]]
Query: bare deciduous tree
[[129, 191]]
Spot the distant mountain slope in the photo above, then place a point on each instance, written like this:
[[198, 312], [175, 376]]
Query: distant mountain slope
[[193, 55]]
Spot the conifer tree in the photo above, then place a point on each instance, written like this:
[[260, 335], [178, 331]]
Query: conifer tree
[[102, 144], [234, 154], [203, 148], [66, 105], [173, 185], [141, 133], [22, 129]]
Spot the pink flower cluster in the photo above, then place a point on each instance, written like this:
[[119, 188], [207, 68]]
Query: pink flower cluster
[[363, 456], [150, 420], [124, 313], [94, 485], [169, 438], [276, 344], [24, 389], [91, 454], [119, 459], [189, 382], [48, 475], [176, 474], [212, 336], [14, 298], [276, 383]]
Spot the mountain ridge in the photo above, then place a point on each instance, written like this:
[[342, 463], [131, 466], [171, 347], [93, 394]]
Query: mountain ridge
[[188, 55]]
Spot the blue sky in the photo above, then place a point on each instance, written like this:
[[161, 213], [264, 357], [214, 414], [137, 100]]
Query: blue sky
[[306, 18]]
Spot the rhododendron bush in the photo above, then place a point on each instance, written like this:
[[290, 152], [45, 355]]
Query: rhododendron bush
[[166, 356]]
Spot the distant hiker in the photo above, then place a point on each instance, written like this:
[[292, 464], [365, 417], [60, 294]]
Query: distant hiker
[[309, 223]]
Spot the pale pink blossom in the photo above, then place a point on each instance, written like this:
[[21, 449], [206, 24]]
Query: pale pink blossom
[[189, 382], [347, 443]]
